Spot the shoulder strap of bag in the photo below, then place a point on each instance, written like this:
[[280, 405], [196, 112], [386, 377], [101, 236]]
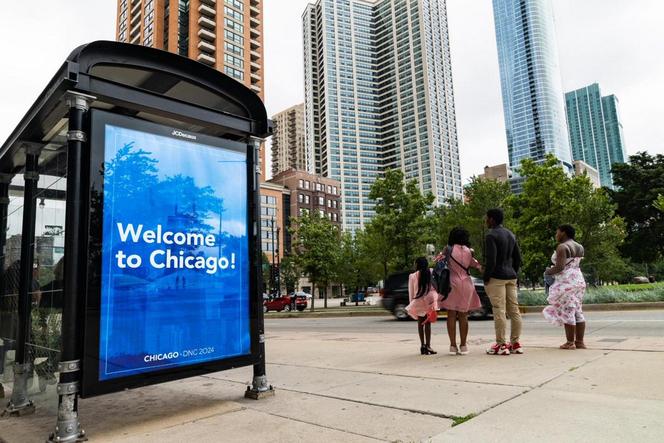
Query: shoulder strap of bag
[[467, 269]]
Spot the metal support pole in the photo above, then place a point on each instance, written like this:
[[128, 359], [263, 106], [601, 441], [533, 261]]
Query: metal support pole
[[277, 274], [260, 388], [68, 427], [20, 404], [273, 277], [5, 180]]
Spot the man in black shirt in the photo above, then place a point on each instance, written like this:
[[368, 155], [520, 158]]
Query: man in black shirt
[[503, 260]]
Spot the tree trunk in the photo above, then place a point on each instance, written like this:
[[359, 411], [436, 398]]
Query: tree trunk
[[313, 295], [325, 296]]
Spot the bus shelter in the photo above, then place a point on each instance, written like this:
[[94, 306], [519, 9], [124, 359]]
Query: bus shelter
[[129, 197]]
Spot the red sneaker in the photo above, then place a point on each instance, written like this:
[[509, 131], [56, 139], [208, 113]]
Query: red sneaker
[[497, 349], [516, 348]]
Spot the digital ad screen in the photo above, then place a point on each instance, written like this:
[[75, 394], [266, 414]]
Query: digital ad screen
[[175, 260]]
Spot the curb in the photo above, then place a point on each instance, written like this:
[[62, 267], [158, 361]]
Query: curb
[[603, 307], [377, 312]]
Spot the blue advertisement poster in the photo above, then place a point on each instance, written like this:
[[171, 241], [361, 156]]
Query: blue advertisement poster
[[175, 259]]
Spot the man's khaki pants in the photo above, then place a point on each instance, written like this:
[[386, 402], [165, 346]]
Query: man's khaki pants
[[503, 296]]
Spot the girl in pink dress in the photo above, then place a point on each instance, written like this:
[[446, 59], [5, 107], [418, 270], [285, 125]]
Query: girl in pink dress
[[423, 299], [463, 298]]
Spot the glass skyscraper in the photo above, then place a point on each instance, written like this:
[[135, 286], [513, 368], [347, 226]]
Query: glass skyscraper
[[595, 130], [379, 96], [531, 83]]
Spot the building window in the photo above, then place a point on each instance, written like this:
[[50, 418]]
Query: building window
[[230, 47], [300, 198], [231, 60], [321, 201], [306, 199], [321, 213], [329, 189], [233, 37], [183, 26], [301, 184], [235, 73], [237, 4], [307, 185], [334, 190], [317, 186]]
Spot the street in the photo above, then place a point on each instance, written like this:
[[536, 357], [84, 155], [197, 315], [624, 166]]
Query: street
[[363, 380], [599, 324]]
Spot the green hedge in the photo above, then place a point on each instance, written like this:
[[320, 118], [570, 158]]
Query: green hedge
[[607, 294]]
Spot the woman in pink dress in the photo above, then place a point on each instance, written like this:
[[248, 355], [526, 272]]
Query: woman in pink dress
[[463, 298], [566, 293], [423, 299]]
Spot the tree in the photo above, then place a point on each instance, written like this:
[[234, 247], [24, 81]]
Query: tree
[[316, 248], [481, 195], [290, 273], [356, 267], [639, 183], [659, 203], [267, 276], [402, 216], [551, 198]]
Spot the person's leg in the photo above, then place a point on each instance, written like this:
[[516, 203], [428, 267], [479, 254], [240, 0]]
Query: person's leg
[[427, 333], [570, 333], [451, 327], [512, 302], [580, 332], [420, 330], [495, 289], [463, 327]]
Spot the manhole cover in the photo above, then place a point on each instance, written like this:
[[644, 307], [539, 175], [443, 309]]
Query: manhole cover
[[612, 340]]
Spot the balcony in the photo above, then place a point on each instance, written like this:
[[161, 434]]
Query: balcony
[[255, 45], [255, 56], [255, 33], [204, 58], [207, 11], [255, 77], [134, 19], [135, 8], [136, 39], [135, 31], [255, 67], [207, 35], [206, 47], [211, 3], [257, 89], [207, 23], [255, 12], [254, 21]]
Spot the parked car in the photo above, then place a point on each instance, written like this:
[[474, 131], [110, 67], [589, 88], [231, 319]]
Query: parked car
[[285, 303], [302, 294], [395, 297]]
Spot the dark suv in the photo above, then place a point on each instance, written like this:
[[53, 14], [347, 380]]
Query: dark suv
[[395, 296]]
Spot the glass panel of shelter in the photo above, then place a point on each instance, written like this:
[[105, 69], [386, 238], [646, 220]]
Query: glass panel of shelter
[[44, 340]]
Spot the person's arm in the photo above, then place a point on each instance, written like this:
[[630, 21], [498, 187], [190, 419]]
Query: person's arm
[[490, 251], [473, 261], [516, 257], [412, 286], [561, 260]]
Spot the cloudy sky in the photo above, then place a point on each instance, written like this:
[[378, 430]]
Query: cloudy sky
[[617, 43]]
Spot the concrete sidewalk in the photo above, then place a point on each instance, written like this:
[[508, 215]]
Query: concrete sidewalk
[[337, 387]]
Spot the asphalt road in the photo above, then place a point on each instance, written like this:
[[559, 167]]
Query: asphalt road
[[625, 324]]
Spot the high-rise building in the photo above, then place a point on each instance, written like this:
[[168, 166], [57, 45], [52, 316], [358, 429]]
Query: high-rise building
[[595, 130], [583, 168], [224, 34], [531, 82], [379, 96], [288, 149]]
